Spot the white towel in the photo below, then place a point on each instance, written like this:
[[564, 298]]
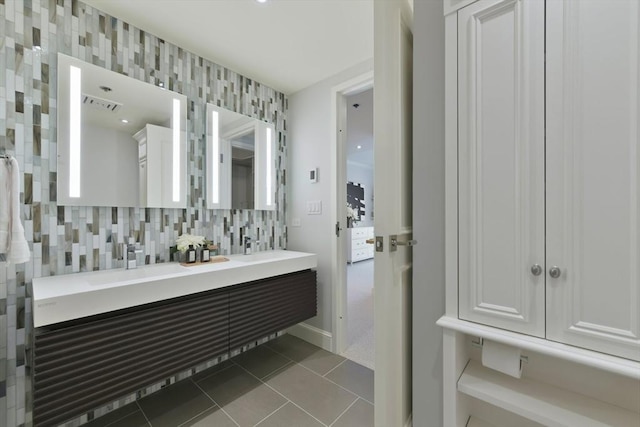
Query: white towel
[[12, 240]]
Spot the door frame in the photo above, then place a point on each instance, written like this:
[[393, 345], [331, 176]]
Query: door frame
[[339, 94]]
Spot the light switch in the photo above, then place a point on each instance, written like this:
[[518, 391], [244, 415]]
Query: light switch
[[295, 222], [314, 207]]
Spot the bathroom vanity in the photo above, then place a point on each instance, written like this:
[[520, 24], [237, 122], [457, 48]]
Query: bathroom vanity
[[104, 334]]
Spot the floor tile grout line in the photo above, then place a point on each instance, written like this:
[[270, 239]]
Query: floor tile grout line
[[211, 367], [274, 371], [116, 420], [143, 414], [344, 412], [335, 367], [367, 400], [299, 362], [285, 397], [216, 403], [281, 354], [350, 391], [323, 376], [306, 412], [332, 382], [282, 406], [247, 371]]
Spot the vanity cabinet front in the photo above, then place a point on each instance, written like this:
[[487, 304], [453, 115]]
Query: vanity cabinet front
[[80, 364], [549, 170], [259, 308], [83, 364]]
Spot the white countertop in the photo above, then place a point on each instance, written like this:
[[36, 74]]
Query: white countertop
[[73, 296]]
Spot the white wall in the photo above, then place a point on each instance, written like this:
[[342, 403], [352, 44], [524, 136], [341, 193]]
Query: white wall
[[309, 119], [363, 174], [108, 156], [428, 211]]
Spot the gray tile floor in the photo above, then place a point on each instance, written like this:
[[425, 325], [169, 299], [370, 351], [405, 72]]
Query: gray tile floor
[[286, 382]]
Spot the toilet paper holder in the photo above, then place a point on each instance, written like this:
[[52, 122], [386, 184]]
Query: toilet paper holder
[[479, 341]]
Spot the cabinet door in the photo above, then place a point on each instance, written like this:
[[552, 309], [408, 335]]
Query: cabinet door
[[593, 185], [501, 164]]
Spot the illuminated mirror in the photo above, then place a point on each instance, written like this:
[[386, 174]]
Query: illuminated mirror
[[240, 161], [121, 141]]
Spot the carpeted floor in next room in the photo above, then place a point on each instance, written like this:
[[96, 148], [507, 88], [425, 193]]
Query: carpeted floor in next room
[[360, 333]]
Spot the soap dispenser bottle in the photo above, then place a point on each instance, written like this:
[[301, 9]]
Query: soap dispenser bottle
[[205, 254], [191, 255]]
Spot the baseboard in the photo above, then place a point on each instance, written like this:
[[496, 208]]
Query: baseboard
[[315, 336]]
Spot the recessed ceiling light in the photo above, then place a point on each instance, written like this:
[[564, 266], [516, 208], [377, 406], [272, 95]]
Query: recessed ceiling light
[[161, 84], [261, 1], [124, 121], [359, 147]]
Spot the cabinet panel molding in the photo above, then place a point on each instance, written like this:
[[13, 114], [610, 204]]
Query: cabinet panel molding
[[501, 163], [593, 214]]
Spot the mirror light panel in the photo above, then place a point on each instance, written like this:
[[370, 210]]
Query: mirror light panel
[[269, 160], [176, 150], [75, 108], [215, 155]]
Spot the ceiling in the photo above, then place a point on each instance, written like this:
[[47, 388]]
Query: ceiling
[[360, 128], [285, 44]]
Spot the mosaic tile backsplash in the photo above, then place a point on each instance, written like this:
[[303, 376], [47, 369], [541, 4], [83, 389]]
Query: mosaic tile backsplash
[[72, 239]]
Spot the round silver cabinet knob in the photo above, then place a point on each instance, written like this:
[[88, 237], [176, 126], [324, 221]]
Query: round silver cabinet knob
[[536, 270], [554, 272]]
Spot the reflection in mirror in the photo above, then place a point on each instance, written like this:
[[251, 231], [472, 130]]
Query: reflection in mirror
[[121, 141], [240, 161], [242, 171]]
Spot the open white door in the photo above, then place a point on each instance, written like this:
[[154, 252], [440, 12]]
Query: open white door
[[393, 54]]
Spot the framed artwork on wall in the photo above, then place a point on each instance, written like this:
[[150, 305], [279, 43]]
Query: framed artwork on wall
[[355, 198]]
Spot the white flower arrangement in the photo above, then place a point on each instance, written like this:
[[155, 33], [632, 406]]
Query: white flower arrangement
[[185, 240], [352, 213]]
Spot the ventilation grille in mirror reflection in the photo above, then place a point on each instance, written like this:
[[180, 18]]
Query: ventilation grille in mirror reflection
[[100, 104]]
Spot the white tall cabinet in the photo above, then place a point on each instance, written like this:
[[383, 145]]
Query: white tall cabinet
[[593, 175], [548, 221], [501, 163], [543, 183]]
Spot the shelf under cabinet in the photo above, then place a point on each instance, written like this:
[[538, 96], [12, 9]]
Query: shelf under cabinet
[[605, 362], [540, 402]]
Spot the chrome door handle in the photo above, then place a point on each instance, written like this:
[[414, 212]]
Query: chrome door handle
[[536, 270], [555, 272], [394, 243]]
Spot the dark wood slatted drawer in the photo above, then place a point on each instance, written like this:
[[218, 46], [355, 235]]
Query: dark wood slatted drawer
[[259, 308], [81, 365]]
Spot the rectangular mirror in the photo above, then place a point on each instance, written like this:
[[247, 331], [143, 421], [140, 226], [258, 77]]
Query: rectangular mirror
[[240, 161], [121, 141]]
